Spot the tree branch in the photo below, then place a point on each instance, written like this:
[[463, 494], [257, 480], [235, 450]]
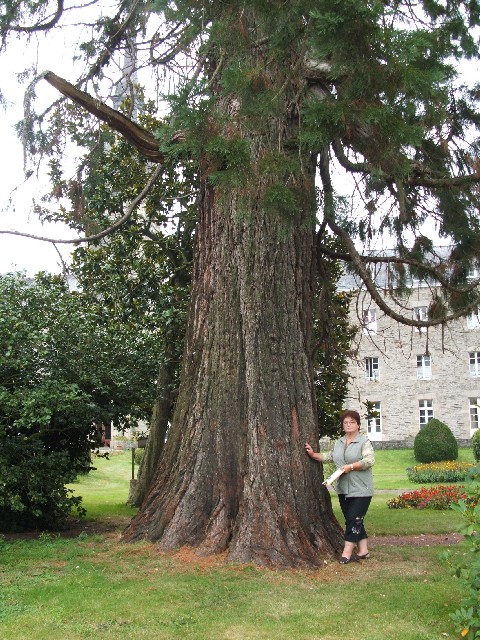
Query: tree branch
[[430, 269], [97, 236], [139, 137], [358, 261], [42, 26], [113, 40]]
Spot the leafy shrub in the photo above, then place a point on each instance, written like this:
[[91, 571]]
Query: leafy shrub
[[67, 363], [138, 455], [32, 486], [439, 498], [476, 445], [467, 617], [439, 472], [435, 442]]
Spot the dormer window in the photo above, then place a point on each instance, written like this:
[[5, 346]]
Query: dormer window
[[369, 321], [421, 314]]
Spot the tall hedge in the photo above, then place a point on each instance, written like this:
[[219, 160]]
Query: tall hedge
[[435, 443]]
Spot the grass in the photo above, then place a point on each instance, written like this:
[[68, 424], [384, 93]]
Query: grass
[[97, 587], [390, 467], [79, 589], [105, 490]]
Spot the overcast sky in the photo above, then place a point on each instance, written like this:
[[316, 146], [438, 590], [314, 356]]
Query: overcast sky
[[16, 194]]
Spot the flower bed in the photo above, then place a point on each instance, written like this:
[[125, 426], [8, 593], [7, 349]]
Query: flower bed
[[450, 471], [439, 498]]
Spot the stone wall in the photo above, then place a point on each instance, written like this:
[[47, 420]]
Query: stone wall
[[398, 390]]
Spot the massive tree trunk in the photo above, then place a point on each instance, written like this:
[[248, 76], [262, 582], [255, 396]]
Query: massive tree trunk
[[234, 475]]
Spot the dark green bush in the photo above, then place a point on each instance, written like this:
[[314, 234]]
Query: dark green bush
[[435, 443], [32, 486], [476, 445]]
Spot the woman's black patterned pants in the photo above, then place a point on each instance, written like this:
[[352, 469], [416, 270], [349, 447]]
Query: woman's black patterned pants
[[354, 511]]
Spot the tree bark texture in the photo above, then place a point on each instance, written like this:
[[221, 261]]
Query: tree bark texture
[[161, 414], [234, 474]]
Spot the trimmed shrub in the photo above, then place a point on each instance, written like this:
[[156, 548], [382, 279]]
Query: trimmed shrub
[[138, 455], [476, 445], [449, 471], [435, 443]]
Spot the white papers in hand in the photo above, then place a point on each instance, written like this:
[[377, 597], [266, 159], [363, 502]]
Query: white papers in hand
[[331, 479]]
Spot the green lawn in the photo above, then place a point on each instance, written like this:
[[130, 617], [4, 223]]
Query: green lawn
[[390, 467], [105, 490], [98, 587]]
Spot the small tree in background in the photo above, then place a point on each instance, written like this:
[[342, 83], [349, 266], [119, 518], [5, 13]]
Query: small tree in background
[[467, 616], [435, 442]]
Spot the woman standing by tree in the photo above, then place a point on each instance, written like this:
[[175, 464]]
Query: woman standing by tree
[[353, 454]]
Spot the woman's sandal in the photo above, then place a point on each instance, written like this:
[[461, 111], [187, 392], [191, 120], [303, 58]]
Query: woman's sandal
[[365, 556], [344, 560]]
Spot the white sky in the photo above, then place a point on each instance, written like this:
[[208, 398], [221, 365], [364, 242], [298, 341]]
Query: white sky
[[16, 194]]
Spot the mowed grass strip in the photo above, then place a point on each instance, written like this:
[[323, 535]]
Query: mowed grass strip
[[95, 586], [101, 588]]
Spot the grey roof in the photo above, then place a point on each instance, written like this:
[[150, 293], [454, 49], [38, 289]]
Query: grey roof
[[385, 277]]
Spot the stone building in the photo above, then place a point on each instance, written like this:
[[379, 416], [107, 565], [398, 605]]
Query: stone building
[[412, 375]]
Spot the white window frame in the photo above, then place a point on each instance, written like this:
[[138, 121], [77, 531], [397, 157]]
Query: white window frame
[[473, 273], [473, 320], [474, 364], [425, 412], [374, 424], [372, 369], [369, 321], [424, 367], [474, 412], [420, 313]]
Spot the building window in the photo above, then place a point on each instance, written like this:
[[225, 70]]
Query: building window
[[473, 320], [424, 368], [374, 423], [474, 357], [420, 313], [372, 369], [369, 321], [425, 412], [474, 407], [473, 273]]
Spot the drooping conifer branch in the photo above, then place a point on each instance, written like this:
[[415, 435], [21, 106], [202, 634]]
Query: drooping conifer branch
[[41, 26], [360, 265], [432, 270]]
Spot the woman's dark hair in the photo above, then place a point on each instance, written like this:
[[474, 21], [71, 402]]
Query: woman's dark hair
[[351, 414]]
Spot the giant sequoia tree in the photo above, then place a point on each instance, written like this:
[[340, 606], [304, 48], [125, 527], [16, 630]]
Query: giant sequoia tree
[[287, 108]]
